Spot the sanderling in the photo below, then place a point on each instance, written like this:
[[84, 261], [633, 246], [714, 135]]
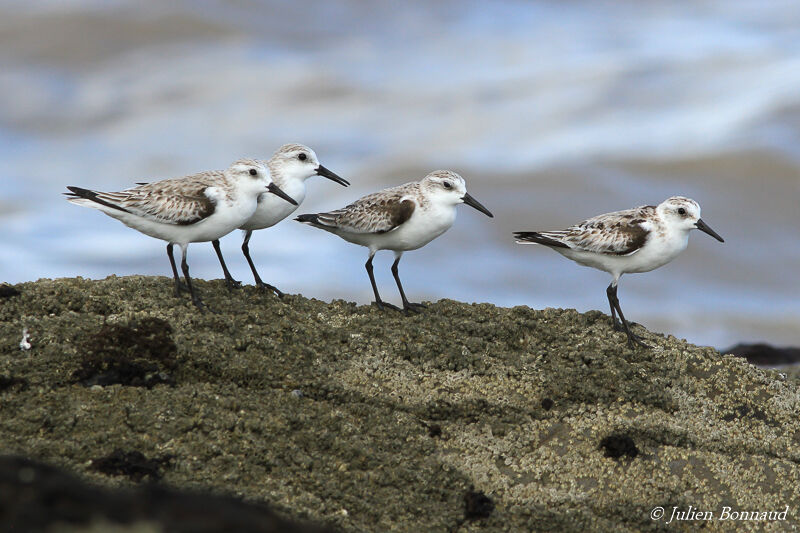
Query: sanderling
[[635, 240], [290, 167], [400, 218], [196, 208]]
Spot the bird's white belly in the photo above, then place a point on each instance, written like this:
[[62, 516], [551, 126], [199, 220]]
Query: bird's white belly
[[650, 259], [272, 209], [225, 219], [654, 254], [419, 230]]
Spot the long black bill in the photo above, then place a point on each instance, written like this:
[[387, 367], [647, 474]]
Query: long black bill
[[274, 189], [702, 226], [472, 202], [325, 173]]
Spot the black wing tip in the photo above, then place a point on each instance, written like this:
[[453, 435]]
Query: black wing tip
[[308, 219], [524, 235], [538, 238], [79, 192]]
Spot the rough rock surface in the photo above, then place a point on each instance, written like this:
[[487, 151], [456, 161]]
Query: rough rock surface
[[464, 418]]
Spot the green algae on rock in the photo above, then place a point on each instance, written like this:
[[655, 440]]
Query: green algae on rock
[[370, 421]]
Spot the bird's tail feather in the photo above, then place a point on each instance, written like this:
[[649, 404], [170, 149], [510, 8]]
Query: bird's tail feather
[[531, 237], [85, 197], [310, 218]]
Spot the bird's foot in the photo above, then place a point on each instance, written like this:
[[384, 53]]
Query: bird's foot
[[198, 303], [384, 305], [232, 284], [635, 340], [180, 287], [617, 325], [267, 287], [413, 308], [201, 306]]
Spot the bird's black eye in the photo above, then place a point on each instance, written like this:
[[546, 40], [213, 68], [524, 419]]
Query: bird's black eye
[[681, 211], [253, 172], [302, 157], [447, 185]]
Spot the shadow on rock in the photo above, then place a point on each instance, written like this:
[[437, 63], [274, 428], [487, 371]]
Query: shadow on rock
[[133, 465], [35, 496], [141, 355]]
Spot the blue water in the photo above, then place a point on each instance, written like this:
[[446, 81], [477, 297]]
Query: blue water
[[552, 111]]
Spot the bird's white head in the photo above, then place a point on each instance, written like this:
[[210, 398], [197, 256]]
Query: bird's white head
[[683, 214], [253, 178], [298, 162], [448, 188]]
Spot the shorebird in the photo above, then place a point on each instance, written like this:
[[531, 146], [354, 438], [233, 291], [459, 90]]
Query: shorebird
[[290, 167], [400, 219], [197, 208], [635, 240]]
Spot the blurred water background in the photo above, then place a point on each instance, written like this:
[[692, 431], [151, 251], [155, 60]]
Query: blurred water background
[[552, 111]]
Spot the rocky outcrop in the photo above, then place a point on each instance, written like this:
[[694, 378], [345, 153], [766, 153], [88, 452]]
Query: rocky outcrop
[[467, 417]]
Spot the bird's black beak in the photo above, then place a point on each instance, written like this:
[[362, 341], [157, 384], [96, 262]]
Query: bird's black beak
[[325, 173], [702, 226], [274, 189], [472, 202]]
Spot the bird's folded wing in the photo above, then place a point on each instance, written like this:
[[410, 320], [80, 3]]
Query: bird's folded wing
[[375, 213], [621, 233], [177, 201]]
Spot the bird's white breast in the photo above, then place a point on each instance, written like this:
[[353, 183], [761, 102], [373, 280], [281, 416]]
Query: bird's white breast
[[426, 223], [272, 209], [661, 248]]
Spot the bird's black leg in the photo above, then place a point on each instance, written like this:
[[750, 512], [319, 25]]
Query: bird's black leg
[[229, 281], [611, 292], [179, 285], [380, 303], [185, 267], [246, 250], [633, 340], [407, 306]]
